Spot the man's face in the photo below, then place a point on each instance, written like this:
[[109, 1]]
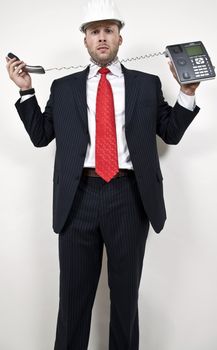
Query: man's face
[[102, 40]]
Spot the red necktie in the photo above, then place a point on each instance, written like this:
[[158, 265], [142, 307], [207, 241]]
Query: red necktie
[[106, 141]]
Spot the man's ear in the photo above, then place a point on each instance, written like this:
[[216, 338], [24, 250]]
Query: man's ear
[[85, 41], [120, 40]]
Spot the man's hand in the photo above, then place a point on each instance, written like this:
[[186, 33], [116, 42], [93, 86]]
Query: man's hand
[[188, 89], [17, 73]]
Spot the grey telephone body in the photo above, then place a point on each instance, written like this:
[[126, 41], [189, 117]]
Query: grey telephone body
[[191, 62]]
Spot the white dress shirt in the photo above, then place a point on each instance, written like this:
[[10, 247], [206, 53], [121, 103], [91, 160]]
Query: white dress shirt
[[116, 78]]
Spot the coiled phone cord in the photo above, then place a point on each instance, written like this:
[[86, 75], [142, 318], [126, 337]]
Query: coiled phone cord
[[137, 58]]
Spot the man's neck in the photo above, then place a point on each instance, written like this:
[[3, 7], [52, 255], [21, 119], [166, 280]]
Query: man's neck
[[115, 60]]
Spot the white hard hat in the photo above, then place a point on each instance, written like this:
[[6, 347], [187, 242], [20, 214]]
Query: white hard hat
[[100, 10]]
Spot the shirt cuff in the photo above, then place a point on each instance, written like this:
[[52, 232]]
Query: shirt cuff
[[186, 101], [26, 97]]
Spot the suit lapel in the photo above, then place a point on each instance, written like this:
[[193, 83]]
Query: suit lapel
[[79, 86], [131, 92]]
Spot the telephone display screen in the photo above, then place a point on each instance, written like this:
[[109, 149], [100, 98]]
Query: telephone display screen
[[194, 50]]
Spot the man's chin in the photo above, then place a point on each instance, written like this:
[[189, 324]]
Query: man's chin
[[103, 60]]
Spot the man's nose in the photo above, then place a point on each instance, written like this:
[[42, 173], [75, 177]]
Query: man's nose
[[102, 37]]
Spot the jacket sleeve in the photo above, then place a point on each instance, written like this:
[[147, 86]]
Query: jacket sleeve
[[38, 125], [172, 122]]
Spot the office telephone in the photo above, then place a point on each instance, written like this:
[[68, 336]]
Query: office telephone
[[190, 60]]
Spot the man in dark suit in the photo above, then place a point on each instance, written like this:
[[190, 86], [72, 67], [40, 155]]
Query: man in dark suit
[[90, 207]]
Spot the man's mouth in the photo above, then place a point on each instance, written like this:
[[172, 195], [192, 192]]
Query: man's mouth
[[102, 48]]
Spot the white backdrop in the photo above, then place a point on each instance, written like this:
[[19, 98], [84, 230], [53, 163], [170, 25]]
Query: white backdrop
[[178, 304]]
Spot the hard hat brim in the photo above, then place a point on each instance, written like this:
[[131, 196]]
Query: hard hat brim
[[84, 26]]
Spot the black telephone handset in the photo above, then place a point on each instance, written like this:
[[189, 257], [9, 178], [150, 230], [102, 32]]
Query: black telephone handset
[[29, 69], [191, 62]]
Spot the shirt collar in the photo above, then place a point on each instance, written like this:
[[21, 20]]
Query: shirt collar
[[114, 67]]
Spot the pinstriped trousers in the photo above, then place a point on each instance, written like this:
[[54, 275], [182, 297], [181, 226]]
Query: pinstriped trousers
[[109, 214]]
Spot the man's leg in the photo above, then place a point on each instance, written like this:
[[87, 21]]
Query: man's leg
[[124, 227], [80, 255]]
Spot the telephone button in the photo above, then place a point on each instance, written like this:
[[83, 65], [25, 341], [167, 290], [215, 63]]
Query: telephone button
[[177, 49], [186, 75], [181, 62], [199, 60]]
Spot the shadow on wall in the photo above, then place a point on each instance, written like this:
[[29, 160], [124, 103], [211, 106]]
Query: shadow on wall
[[162, 148]]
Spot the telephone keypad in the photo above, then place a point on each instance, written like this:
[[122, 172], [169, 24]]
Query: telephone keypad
[[201, 66]]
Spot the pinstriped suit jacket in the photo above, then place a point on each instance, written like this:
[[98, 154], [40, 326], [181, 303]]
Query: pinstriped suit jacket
[[65, 119]]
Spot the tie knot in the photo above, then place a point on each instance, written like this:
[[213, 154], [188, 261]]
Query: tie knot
[[103, 70]]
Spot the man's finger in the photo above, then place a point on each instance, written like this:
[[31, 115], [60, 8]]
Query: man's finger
[[22, 74], [17, 68]]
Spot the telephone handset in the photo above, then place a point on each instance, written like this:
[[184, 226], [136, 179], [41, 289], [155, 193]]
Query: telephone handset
[[29, 69], [191, 62]]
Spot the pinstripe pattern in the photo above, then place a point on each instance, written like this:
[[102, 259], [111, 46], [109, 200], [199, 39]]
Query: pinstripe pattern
[[65, 119], [89, 212], [111, 214]]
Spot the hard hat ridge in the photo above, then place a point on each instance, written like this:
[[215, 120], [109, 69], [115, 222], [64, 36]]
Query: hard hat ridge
[[99, 10]]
